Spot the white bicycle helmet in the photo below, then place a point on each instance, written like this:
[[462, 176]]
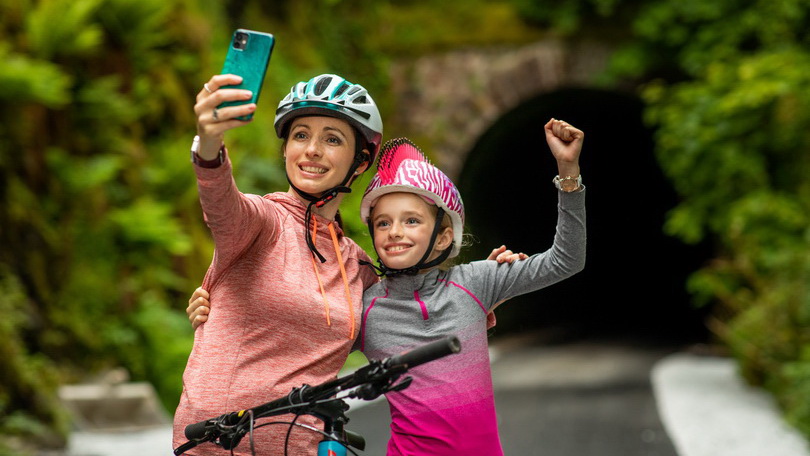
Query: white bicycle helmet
[[402, 167], [331, 95]]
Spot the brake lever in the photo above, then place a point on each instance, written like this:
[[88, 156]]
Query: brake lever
[[230, 435], [371, 391], [188, 445], [406, 382]]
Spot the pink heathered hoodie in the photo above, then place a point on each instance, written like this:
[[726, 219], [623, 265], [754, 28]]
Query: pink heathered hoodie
[[271, 326]]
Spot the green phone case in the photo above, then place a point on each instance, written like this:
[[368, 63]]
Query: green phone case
[[248, 56]]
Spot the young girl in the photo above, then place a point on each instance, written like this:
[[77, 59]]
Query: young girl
[[416, 217]]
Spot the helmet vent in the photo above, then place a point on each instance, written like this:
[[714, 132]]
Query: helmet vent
[[361, 100], [341, 89], [394, 152], [322, 85]]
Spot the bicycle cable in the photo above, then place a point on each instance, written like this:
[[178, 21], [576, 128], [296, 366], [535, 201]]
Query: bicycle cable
[[289, 431], [249, 419], [307, 427]]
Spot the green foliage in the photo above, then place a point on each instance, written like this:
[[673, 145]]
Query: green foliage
[[725, 82], [62, 29], [101, 232], [796, 378], [350, 212], [23, 79], [602, 20], [423, 27], [102, 235], [698, 33], [567, 16], [28, 407], [732, 135]]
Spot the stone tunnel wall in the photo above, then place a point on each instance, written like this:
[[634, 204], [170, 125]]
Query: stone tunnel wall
[[445, 102]]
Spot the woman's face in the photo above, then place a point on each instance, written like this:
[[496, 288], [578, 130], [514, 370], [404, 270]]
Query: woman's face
[[403, 225], [318, 153]]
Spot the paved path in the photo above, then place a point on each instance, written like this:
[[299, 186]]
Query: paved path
[[588, 398], [580, 399], [151, 442], [709, 411]]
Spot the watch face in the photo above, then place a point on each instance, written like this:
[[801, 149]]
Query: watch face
[[568, 185]]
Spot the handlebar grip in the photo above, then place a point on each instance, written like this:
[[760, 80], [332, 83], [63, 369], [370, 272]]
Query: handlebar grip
[[426, 353], [196, 431]]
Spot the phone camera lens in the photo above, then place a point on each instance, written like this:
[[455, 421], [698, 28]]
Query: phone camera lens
[[240, 40]]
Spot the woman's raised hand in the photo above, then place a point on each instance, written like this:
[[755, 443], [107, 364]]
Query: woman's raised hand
[[212, 123]]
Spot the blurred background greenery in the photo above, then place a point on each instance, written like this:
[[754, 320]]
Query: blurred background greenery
[[101, 232]]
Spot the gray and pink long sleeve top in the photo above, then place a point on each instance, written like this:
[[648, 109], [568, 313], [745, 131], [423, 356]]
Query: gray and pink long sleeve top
[[449, 407]]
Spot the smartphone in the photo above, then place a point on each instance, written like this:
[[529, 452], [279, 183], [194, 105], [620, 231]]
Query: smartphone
[[248, 56]]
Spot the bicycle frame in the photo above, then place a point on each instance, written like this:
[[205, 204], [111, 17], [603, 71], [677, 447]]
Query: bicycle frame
[[322, 402]]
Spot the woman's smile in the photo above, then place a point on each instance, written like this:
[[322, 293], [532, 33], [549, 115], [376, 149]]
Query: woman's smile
[[312, 168]]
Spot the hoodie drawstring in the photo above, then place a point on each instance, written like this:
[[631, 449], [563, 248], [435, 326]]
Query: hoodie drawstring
[[318, 275], [345, 278], [343, 274]]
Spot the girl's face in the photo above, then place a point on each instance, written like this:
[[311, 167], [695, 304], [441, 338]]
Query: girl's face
[[402, 224], [318, 153]]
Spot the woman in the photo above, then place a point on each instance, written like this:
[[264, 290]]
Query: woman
[[287, 282]]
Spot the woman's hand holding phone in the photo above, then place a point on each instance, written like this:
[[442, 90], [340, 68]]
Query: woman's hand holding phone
[[228, 100], [213, 122]]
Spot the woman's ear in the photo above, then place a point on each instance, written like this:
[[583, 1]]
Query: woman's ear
[[365, 164]]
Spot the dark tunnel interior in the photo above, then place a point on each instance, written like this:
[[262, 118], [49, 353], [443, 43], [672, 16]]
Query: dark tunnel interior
[[634, 280]]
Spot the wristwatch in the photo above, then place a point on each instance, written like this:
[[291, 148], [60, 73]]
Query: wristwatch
[[567, 184], [197, 160]]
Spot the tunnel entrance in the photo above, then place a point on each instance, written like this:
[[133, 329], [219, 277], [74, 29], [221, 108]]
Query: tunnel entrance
[[634, 280]]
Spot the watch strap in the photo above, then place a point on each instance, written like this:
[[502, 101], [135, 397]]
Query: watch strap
[[197, 160], [563, 182]]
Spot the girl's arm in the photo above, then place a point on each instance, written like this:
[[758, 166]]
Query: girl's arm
[[566, 256]]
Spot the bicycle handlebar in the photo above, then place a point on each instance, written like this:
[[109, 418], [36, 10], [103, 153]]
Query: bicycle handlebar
[[425, 353], [373, 380]]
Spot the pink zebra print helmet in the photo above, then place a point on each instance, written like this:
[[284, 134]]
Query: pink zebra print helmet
[[402, 167]]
